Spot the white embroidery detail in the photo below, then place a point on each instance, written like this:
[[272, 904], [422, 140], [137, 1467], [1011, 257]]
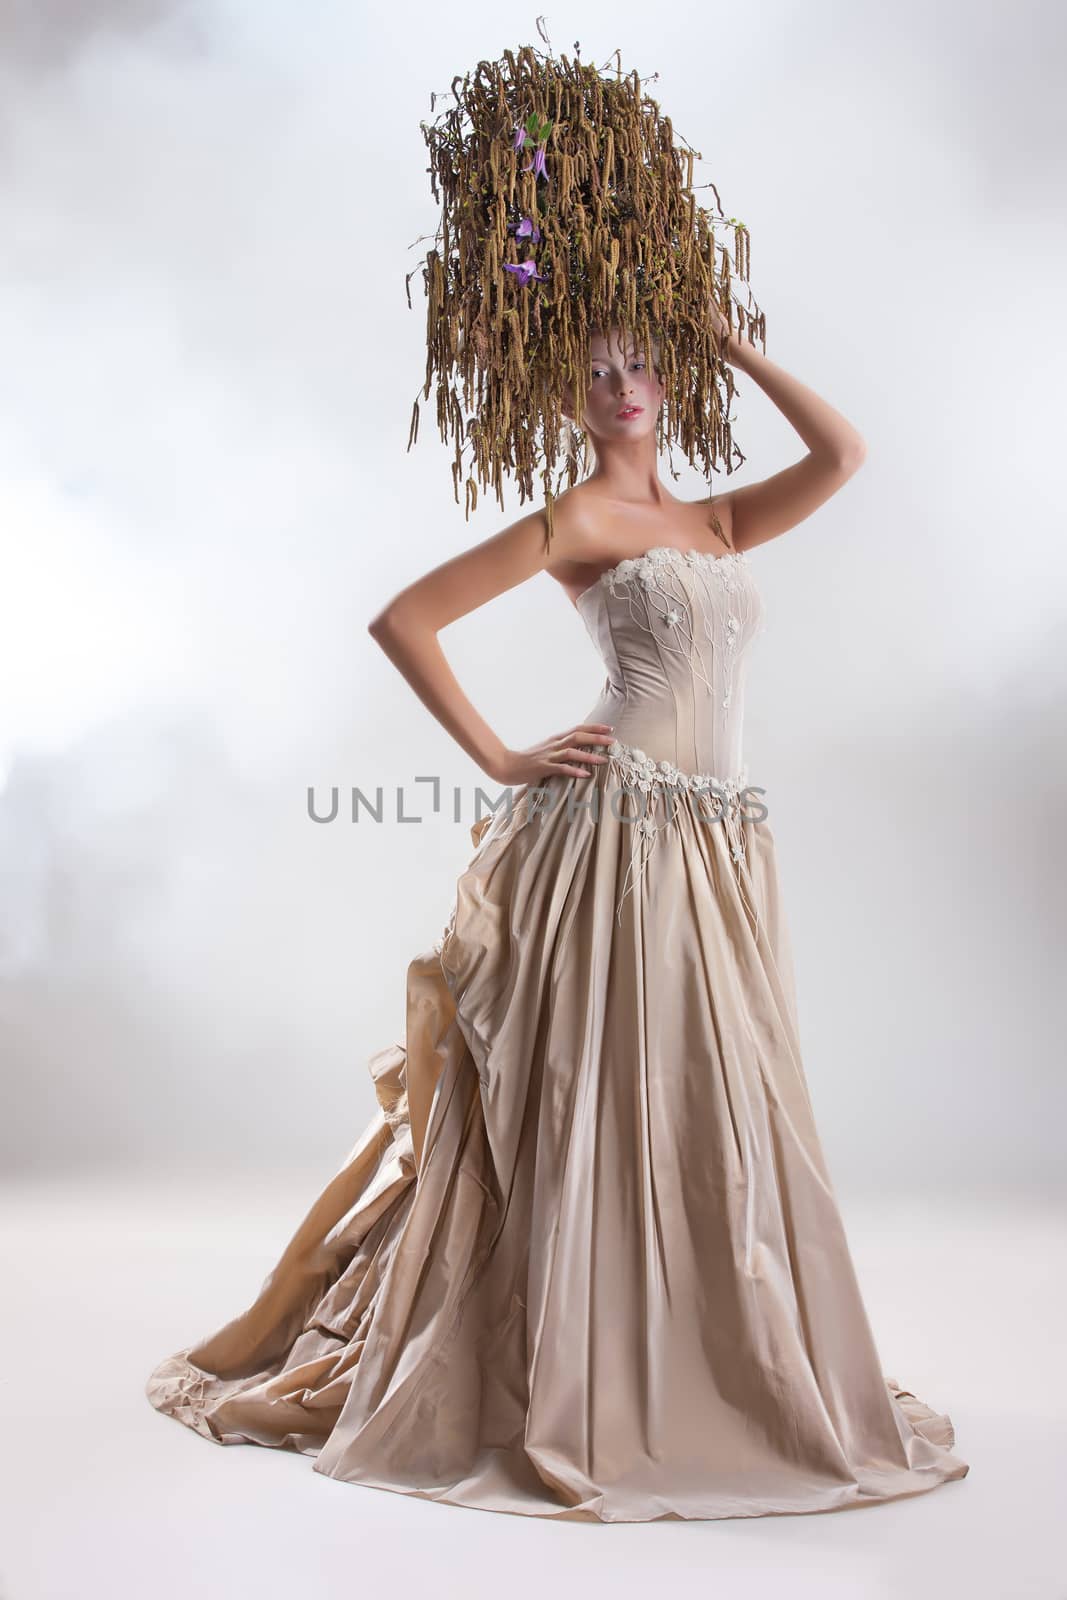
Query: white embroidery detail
[[640, 771], [647, 569], [665, 787], [703, 621]]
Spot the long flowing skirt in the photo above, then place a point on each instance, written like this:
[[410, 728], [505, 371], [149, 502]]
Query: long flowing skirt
[[585, 1261]]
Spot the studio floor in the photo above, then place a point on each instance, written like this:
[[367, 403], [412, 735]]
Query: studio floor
[[102, 1495]]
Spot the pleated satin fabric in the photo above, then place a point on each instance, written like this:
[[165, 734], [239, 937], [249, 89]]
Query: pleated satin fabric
[[586, 1260]]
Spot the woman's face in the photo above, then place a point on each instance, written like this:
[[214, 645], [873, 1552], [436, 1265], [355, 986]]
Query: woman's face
[[624, 394]]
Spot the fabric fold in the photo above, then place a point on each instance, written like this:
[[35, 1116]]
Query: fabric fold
[[585, 1261]]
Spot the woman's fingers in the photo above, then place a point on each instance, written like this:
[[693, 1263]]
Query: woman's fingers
[[563, 751], [562, 761], [590, 734]]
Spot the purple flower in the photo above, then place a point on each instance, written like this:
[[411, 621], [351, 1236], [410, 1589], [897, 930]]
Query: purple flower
[[534, 130], [537, 166], [526, 230], [524, 271]]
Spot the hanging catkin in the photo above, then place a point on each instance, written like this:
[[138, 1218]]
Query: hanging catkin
[[622, 243]]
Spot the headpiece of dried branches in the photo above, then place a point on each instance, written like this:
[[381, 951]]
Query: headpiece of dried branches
[[567, 208]]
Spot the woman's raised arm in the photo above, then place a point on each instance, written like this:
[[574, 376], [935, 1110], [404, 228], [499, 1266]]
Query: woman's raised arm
[[836, 450]]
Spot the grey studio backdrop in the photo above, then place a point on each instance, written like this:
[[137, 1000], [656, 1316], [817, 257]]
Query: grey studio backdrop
[[206, 494]]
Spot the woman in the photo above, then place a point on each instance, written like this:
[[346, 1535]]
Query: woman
[[586, 1261]]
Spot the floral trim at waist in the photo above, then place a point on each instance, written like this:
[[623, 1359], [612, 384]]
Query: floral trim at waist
[[641, 772], [722, 799]]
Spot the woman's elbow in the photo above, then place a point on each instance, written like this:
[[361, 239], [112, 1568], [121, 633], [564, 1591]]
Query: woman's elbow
[[397, 623], [383, 623], [856, 453], [405, 617]]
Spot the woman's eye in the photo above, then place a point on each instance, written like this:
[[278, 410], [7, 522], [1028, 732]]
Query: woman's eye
[[601, 372]]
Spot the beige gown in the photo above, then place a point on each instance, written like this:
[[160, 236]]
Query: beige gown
[[586, 1260]]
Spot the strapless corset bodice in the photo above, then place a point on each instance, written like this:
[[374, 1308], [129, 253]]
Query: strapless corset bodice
[[674, 628]]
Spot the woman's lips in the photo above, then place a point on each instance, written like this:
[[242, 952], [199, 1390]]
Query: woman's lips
[[628, 411]]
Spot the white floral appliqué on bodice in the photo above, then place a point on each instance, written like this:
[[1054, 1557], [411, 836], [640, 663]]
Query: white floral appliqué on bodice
[[673, 628]]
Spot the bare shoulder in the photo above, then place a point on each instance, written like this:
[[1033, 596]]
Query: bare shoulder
[[578, 514], [581, 535], [595, 530]]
